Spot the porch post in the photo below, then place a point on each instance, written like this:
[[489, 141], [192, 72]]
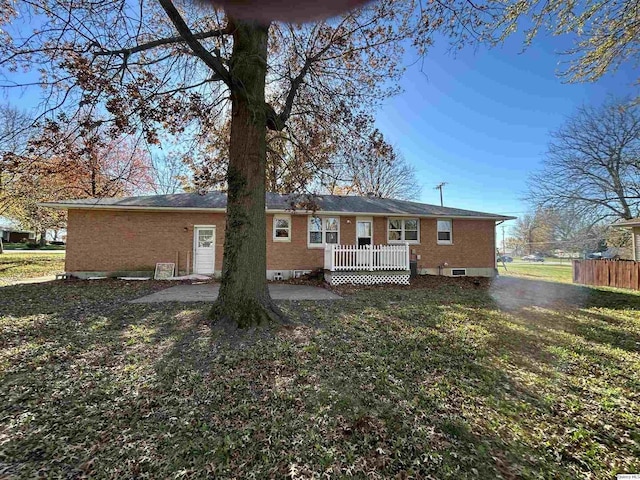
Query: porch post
[[331, 257], [407, 257], [370, 247]]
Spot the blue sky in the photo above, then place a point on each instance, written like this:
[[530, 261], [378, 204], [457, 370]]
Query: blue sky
[[480, 120]]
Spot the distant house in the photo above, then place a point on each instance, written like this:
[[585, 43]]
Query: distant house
[[10, 234], [634, 226], [354, 239]]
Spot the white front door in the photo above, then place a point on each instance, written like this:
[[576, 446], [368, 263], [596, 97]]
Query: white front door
[[204, 250], [364, 239], [364, 232]]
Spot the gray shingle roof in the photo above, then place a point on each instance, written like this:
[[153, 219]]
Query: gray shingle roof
[[275, 201]]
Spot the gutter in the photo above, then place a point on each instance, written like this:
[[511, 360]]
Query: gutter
[[73, 206]]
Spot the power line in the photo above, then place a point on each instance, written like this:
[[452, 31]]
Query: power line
[[582, 239]]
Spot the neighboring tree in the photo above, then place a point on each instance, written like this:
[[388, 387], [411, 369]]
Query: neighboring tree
[[592, 167], [620, 240], [568, 230], [576, 231], [374, 169], [308, 81], [76, 163], [169, 172], [14, 136], [514, 245], [93, 163], [385, 178], [26, 209], [532, 233]]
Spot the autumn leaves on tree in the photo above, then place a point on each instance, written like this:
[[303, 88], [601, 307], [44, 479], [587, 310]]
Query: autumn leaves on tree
[[77, 162], [265, 104]]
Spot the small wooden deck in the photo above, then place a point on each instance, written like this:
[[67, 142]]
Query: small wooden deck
[[367, 265]]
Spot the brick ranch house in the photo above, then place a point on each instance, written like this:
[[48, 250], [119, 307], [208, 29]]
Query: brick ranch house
[[348, 236]]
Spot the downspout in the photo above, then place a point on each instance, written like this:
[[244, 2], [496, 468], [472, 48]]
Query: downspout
[[495, 249]]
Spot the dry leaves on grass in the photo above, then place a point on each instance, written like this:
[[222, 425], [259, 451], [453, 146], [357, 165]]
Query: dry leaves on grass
[[433, 382]]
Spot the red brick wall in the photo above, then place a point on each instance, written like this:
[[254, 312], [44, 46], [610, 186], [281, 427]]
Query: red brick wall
[[296, 255], [293, 255], [103, 240], [473, 243]]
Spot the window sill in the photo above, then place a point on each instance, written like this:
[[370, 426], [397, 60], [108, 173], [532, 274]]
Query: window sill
[[402, 242], [282, 240], [445, 243]]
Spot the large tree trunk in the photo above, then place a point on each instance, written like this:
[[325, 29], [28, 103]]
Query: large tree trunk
[[244, 300]]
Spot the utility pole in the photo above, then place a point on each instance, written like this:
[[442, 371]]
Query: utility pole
[[439, 187]]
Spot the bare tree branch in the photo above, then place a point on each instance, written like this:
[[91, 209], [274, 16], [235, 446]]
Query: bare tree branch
[[164, 41], [213, 62]]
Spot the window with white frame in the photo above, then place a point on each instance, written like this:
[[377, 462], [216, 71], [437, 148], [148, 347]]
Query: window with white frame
[[444, 231], [403, 230], [323, 230], [282, 228]]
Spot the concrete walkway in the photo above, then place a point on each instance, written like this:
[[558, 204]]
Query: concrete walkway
[[209, 292], [24, 281]]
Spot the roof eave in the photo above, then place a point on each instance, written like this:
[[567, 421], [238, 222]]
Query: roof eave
[[76, 206], [67, 206], [626, 225]]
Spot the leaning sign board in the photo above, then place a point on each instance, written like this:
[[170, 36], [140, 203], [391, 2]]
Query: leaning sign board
[[164, 271]]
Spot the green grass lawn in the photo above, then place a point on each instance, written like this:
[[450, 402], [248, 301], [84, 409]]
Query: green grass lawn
[[25, 265], [25, 246], [522, 379], [538, 271]]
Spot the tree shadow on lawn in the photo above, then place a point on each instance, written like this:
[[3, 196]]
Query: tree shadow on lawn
[[362, 394], [387, 382], [76, 369], [403, 381]]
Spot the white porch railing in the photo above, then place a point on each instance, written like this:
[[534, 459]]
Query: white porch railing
[[371, 258]]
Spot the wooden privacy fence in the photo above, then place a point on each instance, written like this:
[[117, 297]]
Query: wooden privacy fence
[[607, 273]]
